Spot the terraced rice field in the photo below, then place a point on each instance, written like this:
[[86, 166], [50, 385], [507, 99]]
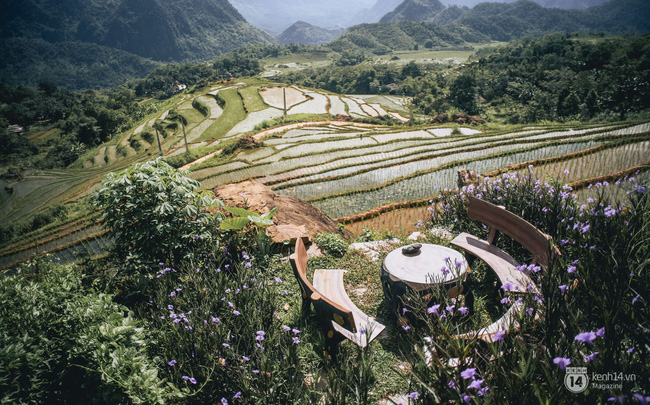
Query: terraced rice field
[[344, 168], [345, 174]]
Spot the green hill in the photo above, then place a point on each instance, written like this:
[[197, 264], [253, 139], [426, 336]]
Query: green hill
[[304, 33]]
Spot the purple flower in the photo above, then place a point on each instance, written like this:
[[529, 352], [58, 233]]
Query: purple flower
[[466, 398], [256, 371], [468, 373], [630, 350], [404, 311], [505, 300], [450, 308], [295, 331], [507, 286], [433, 309], [245, 358], [635, 299], [463, 310], [185, 377], [278, 280], [563, 288], [497, 337], [224, 401], [171, 363], [591, 357], [248, 265], [562, 362], [586, 337], [601, 332], [286, 328], [215, 320], [406, 328], [193, 380], [451, 384], [196, 236], [414, 395], [226, 345], [296, 340], [476, 384], [571, 269], [237, 395], [237, 313]]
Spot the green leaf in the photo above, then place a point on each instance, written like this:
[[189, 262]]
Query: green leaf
[[259, 220], [235, 224], [270, 214], [240, 211]]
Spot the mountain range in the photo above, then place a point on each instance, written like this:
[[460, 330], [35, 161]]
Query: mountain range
[[142, 31], [485, 22], [275, 16]]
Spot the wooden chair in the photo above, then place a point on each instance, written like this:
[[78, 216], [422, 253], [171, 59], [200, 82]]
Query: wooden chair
[[337, 315], [539, 244]]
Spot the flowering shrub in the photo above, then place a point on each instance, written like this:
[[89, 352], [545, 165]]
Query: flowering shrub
[[218, 325], [590, 312]]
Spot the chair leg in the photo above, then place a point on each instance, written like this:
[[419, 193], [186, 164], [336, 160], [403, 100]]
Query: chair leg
[[332, 340], [306, 307]]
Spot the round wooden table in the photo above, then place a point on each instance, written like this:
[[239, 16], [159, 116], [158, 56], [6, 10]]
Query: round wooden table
[[432, 265]]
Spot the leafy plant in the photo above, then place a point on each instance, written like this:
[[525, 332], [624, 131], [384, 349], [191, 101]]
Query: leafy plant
[[155, 213], [245, 217]]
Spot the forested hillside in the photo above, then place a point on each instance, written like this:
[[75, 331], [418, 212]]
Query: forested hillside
[[490, 22], [551, 78]]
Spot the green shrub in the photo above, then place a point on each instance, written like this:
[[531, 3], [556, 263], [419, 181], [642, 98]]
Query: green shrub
[[202, 108], [147, 136], [120, 151], [332, 244]]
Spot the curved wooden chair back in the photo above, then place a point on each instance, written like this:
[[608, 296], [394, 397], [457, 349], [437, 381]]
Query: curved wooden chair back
[[499, 219]]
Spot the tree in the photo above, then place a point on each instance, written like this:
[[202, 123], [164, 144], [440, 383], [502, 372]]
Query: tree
[[158, 127], [155, 213], [177, 117], [463, 93]]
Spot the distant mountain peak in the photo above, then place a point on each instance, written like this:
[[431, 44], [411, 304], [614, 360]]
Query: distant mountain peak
[[302, 32], [414, 10]]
